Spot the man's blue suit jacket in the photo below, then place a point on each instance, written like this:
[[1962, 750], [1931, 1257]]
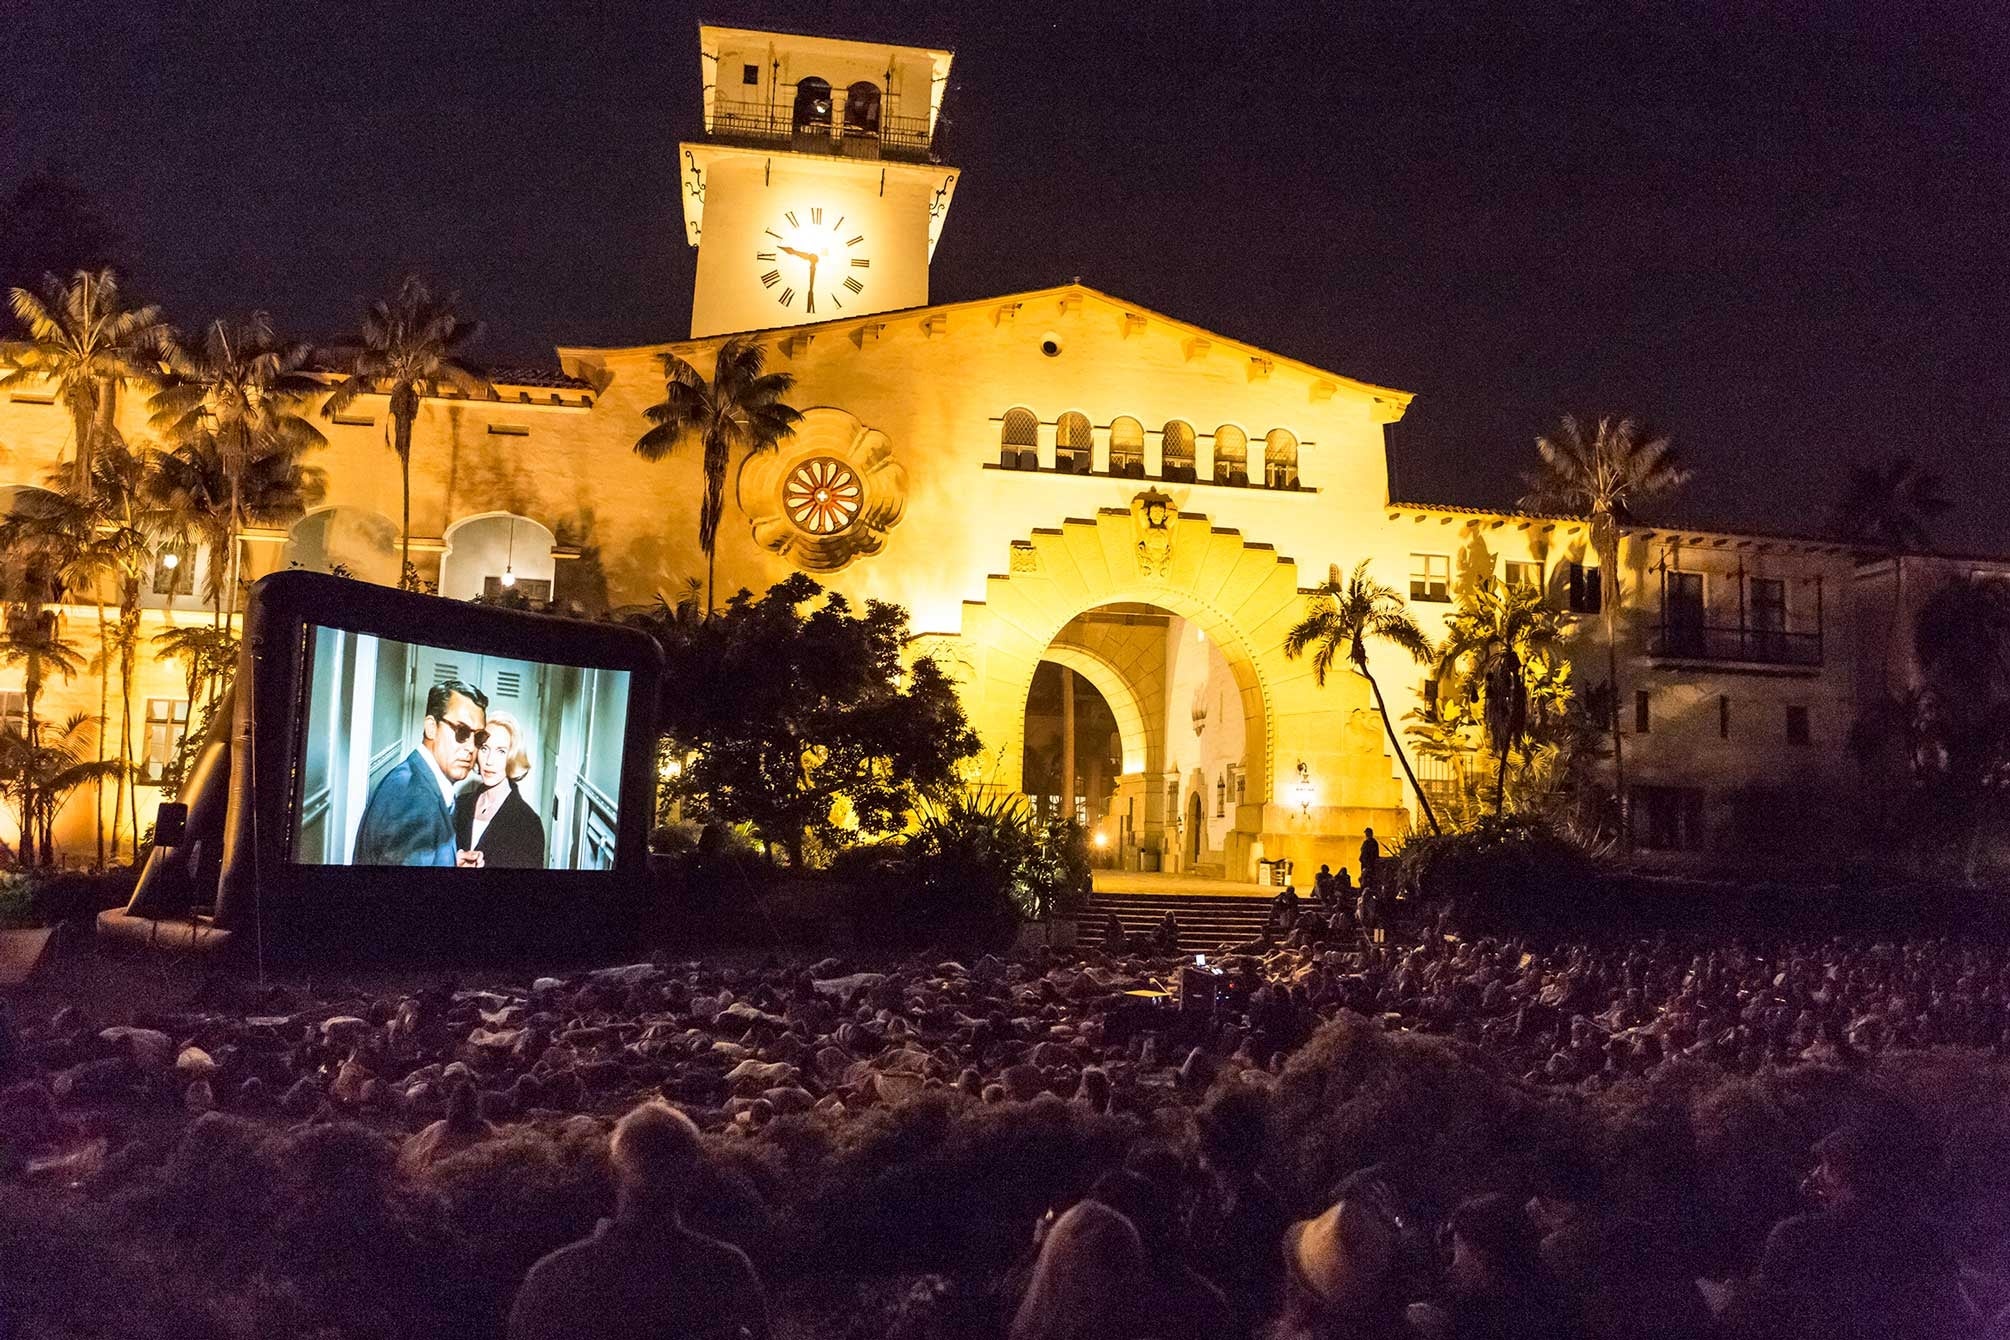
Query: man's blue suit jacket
[[408, 820]]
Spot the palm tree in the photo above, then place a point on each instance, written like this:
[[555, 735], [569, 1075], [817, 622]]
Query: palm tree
[[240, 389], [1338, 621], [1490, 646], [38, 775], [407, 348], [740, 407], [192, 494], [109, 526], [33, 639], [83, 340], [208, 657], [1889, 508], [1600, 478]]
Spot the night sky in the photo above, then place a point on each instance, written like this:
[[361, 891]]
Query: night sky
[[1784, 242]]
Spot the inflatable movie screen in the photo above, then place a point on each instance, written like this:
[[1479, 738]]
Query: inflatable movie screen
[[416, 754]]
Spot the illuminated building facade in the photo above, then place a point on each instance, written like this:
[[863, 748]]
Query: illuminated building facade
[[1059, 477]]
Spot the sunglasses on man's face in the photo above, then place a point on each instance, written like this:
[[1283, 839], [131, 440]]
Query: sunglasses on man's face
[[464, 732]]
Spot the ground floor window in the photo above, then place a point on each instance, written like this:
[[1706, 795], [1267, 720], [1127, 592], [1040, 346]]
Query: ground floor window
[[14, 711], [1668, 818], [167, 722]]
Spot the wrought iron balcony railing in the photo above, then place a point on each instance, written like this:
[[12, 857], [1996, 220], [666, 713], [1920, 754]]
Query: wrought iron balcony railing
[[1756, 646], [902, 138]]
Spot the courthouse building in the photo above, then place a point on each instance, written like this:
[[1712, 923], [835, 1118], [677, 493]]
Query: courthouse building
[[1057, 483]]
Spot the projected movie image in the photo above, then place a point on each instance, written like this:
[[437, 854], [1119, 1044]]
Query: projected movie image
[[426, 756]]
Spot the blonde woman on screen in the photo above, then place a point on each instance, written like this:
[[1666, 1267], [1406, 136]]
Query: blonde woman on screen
[[491, 817]]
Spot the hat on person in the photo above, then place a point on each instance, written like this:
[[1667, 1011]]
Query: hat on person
[[1342, 1257]]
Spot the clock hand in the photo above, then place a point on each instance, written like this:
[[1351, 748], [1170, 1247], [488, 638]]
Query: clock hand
[[801, 255]]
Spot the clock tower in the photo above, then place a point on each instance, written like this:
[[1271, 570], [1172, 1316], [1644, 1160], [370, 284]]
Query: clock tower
[[815, 193]]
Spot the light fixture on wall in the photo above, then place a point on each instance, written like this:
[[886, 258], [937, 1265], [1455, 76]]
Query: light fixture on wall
[[1303, 791], [509, 559], [170, 560]]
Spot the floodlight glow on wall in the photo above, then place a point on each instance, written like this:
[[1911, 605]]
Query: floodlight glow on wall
[[1304, 792]]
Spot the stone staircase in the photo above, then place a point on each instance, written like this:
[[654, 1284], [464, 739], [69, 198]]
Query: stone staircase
[[1206, 921]]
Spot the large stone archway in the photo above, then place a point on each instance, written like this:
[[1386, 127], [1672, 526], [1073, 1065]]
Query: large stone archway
[[1243, 596]]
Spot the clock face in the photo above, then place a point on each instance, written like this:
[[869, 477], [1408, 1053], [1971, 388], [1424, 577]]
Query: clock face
[[813, 262]]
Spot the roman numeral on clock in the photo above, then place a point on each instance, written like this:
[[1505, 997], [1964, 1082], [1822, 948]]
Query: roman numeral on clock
[[772, 233], [816, 215], [764, 255], [856, 240], [853, 284], [788, 296], [791, 217], [860, 263], [771, 278]]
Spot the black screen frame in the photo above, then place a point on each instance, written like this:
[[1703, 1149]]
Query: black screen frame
[[260, 877]]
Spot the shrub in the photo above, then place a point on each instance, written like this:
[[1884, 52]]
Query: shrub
[[366, 1251], [66, 1276], [513, 1199], [979, 866], [17, 902], [1440, 1118], [943, 1182], [1507, 872]]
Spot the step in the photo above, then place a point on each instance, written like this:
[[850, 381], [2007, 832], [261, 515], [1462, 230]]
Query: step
[[1206, 921]]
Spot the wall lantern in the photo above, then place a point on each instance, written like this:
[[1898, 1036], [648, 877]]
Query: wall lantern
[[509, 559], [1303, 791]]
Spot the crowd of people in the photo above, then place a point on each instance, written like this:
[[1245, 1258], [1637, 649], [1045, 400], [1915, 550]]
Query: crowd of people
[[1160, 1250], [1187, 1232]]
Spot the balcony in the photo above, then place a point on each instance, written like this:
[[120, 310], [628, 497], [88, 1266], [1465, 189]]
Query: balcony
[[902, 139], [1749, 646]]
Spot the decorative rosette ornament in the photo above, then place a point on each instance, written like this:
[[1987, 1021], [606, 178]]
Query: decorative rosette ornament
[[822, 495], [828, 494]]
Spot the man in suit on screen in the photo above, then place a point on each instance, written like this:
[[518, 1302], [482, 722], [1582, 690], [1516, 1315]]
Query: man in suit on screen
[[410, 817]]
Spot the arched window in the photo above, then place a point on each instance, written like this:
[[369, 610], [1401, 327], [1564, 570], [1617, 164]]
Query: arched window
[[1127, 448], [1176, 443], [1280, 460], [1019, 443], [1073, 442], [861, 108], [495, 555], [813, 103], [353, 540], [1231, 455]]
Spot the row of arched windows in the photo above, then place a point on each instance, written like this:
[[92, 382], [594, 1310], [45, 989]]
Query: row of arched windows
[[1074, 448]]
